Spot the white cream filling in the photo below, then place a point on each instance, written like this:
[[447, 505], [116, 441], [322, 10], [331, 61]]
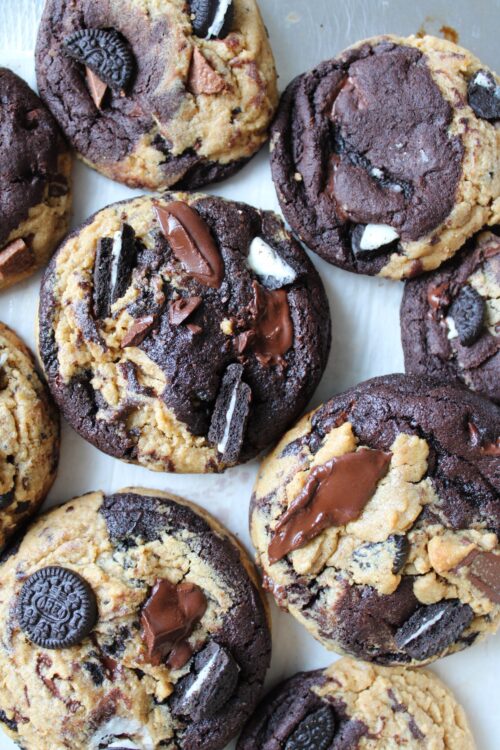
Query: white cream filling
[[221, 447], [482, 80], [452, 329], [425, 626], [377, 235], [219, 18], [112, 730], [115, 257], [265, 261]]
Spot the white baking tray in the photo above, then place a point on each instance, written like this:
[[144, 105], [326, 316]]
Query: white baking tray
[[365, 311]]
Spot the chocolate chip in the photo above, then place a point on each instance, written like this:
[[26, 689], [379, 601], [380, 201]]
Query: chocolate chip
[[16, 258], [315, 732], [96, 87], [468, 312], [484, 573], [395, 546], [484, 95], [203, 79], [139, 331], [56, 608], [105, 52], [230, 415], [181, 309], [211, 18], [433, 628], [209, 687]]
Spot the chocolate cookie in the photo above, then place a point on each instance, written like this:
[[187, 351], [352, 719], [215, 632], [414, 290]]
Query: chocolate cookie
[[355, 705], [159, 95], [129, 621], [376, 520], [384, 160], [450, 319], [35, 196], [29, 436], [182, 333]]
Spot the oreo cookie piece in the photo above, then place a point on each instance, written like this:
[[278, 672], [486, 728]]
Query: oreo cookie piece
[[388, 196], [179, 643], [35, 190], [56, 608], [450, 321], [150, 98], [387, 547], [196, 330], [484, 95], [341, 707]]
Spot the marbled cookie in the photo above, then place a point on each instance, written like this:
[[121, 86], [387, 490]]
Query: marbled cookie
[[129, 621], [159, 93], [357, 706], [386, 159], [450, 319], [183, 333], [29, 436], [376, 520], [35, 196]]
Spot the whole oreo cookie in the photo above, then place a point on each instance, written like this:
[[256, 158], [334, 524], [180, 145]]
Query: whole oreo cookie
[[29, 436], [376, 520], [375, 170], [450, 319], [351, 704], [35, 195], [153, 650], [179, 97], [195, 330]]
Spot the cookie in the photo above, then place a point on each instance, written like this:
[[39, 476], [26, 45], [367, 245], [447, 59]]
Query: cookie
[[29, 436], [131, 620], [35, 194], [183, 334], [450, 319], [354, 705], [176, 94], [376, 520], [384, 160]]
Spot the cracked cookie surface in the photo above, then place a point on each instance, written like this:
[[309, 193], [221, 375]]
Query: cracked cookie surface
[[359, 706], [184, 334], [107, 690], [433, 341], [376, 520], [29, 436], [381, 161], [35, 195], [193, 110]]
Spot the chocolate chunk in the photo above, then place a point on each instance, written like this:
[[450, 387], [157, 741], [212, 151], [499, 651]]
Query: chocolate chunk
[[484, 573], [315, 732], [371, 238], [484, 95], [203, 79], [181, 309], [140, 329], [102, 276], [433, 628], [468, 312], [209, 687], [16, 258], [272, 333], [191, 242], [169, 616], [211, 18], [334, 495], [395, 546], [96, 87], [105, 52], [56, 608], [230, 415]]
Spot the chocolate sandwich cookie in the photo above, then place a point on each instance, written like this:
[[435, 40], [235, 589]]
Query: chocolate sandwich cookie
[[184, 333], [131, 620], [450, 320], [376, 520], [35, 195], [29, 436], [386, 159], [355, 705], [159, 94]]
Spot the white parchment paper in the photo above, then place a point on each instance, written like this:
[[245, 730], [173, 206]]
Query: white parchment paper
[[365, 311]]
